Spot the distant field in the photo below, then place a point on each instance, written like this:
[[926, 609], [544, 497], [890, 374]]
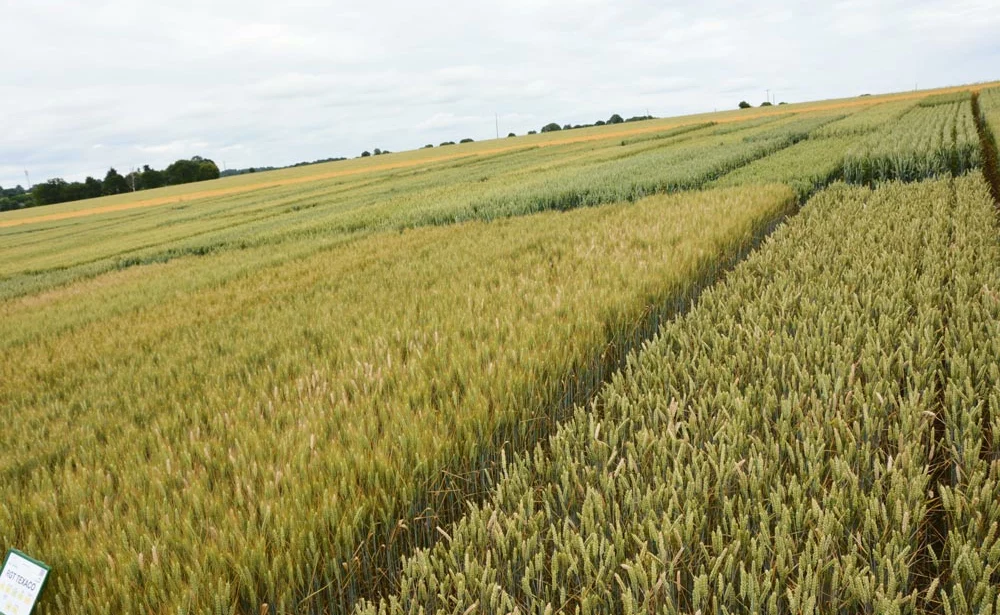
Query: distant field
[[420, 157], [322, 388]]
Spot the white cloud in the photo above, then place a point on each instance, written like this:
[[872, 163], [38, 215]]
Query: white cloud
[[128, 82]]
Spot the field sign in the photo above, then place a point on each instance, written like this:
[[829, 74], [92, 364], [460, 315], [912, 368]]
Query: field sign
[[21, 582]]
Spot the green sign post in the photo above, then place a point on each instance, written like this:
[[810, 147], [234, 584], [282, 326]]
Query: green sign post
[[22, 580]]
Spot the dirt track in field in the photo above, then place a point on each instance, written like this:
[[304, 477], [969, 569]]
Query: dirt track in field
[[206, 194]]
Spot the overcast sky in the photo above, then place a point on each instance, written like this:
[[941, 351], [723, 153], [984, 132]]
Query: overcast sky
[[88, 85]]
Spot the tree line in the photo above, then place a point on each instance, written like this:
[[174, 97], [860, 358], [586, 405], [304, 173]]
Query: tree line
[[58, 190], [614, 119]]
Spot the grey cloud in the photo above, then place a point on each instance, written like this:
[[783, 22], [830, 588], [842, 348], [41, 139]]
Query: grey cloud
[[263, 83]]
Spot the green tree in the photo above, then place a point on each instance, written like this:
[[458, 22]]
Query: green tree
[[182, 172], [744, 104], [551, 127], [74, 191], [92, 188], [134, 181], [114, 183], [615, 119], [49, 192], [151, 178], [207, 169]]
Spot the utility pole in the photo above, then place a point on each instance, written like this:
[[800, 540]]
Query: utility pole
[[768, 95], [497, 116], [27, 178]]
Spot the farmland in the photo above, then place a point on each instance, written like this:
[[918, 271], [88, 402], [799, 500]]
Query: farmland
[[575, 372], [774, 448]]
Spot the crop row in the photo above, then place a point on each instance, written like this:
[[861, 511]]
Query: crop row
[[969, 490], [806, 166], [301, 428], [502, 185], [683, 166], [866, 120], [926, 142], [667, 134], [795, 128], [36, 259], [962, 96], [780, 448], [988, 104]]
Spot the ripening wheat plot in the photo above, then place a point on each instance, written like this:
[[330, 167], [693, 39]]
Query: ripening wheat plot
[[297, 389], [518, 182], [928, 141], [988, 104], [777, 449], [867, 120], [235, 445], [806, 166]]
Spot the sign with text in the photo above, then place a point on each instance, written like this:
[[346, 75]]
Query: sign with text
[[21, 582]]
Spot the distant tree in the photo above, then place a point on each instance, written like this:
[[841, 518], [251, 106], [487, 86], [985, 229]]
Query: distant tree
[[766, 103], [782, 103], [429, 146], [377, 152], [92, 188], [134, 180], [466, 140], [551, 127], [151, 178], [599, 123], [509, 135], [114, 183], [182, 172], [194, 170], [447, 143], [52, 191], [744, 104], [615, 119], [15, 198], [74, 191], [207, 169], [365, 154], [532, 132]]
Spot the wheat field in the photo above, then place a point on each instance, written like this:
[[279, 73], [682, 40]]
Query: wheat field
[[731, 362]]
